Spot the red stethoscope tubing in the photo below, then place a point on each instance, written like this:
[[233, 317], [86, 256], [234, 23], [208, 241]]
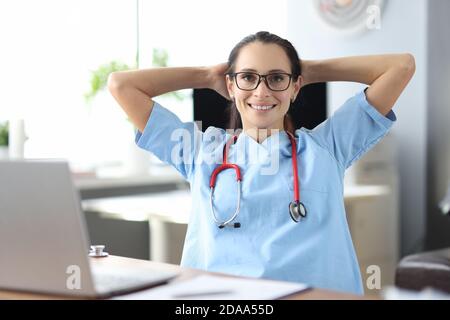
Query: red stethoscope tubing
[[225, 165], [296, 209], [295, 167]]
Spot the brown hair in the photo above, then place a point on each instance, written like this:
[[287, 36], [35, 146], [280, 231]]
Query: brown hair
[[235, 121]]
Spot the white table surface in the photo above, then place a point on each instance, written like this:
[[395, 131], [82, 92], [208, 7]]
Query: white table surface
[[175, 206]]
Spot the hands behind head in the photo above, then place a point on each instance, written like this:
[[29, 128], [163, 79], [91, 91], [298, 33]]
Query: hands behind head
[[217, 80]]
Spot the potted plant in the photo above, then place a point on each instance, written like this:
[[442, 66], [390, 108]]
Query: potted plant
[[99, 77], [4, 140], [138, 160]]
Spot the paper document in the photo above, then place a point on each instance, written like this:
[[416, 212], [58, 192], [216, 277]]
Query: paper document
[[208, 287]]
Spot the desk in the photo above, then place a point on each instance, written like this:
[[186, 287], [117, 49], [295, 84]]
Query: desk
[[160, 205], [186, 273], [91, 187], [168, 215]]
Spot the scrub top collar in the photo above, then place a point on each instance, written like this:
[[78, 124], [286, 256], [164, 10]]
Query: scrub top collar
[[278, 141], [275, 141], [248, 150]]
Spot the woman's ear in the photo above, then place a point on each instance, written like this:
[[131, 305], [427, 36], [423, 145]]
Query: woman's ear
[[297, 86], [230, 86], [300, 82]]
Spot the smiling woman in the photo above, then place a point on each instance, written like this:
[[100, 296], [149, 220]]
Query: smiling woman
[[257, 104], [262, 77]]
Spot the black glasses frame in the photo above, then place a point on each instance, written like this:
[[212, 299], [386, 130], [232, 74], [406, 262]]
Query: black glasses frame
[[261, 77]]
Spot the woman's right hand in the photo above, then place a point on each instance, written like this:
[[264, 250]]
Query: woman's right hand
[[218, 80]]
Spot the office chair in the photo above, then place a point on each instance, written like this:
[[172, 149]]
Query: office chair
[[422, 270]]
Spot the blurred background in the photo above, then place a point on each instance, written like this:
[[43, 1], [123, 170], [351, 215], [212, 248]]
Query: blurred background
[[56, 56]]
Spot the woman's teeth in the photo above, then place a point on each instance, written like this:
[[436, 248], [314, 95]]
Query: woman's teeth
[[261, 107]]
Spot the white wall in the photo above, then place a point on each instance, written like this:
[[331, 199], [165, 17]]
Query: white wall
[[202, 32], [403, 29]]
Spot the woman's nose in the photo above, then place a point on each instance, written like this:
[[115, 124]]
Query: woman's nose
[[262, 89]]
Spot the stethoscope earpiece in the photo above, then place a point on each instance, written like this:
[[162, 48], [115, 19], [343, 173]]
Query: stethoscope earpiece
[[234, 225]]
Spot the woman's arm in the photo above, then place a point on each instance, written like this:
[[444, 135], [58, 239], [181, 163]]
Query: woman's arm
[[387, 75], [135, 89]]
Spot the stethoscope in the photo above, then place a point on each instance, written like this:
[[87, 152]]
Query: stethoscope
[[297, 209]]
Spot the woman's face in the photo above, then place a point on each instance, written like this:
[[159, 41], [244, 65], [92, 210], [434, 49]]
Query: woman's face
[[262, 108]]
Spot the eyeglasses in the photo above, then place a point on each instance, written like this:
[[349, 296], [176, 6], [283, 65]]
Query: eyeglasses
[[249, 81]]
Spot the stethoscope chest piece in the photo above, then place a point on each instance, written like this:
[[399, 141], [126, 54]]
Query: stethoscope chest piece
[[297, 210], [97, 251]]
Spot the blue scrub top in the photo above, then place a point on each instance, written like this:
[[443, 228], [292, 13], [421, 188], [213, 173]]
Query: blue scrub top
[[318, 250]]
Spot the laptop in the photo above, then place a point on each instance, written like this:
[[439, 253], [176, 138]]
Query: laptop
[[44, 244]]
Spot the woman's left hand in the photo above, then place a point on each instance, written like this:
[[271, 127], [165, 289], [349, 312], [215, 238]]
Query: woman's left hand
[[217, 80], [306, 72]]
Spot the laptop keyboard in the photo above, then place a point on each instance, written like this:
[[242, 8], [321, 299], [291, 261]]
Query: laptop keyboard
[[114, 283]]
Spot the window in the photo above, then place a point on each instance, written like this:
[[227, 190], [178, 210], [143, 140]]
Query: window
[[50, 47]]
